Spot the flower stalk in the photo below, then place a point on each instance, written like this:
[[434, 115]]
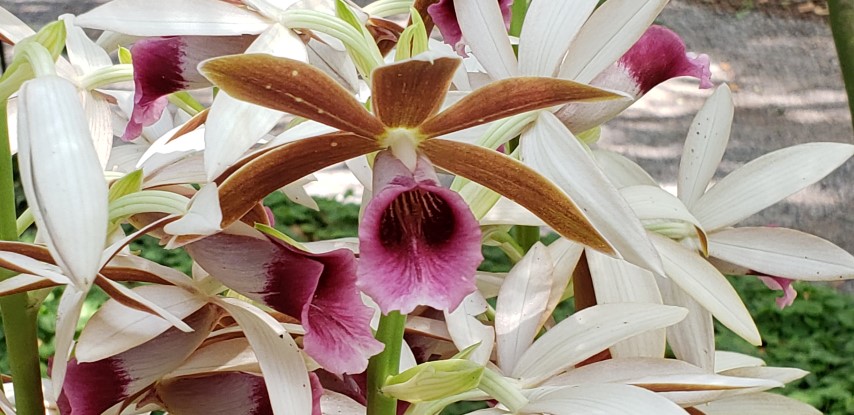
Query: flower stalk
[[841, 13], [19, 321], [385, 364]]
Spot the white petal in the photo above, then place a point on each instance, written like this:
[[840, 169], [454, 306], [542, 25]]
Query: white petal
[[602, 399], [552, 150], [780, 374], [281, 362], [466, 330], [184, 17], [783, 252], [61, 175], [13, 28], [731, 360], [692, 339], [521, 303], [21, 282], [483, 29], [653, 202], [67, 315], [296, 192], [300, 131], [758, 404], [332, 403], [608, 34], [222, 356], [33, 266], [508, 212], [565, 254], [588, 332], [620, 369], [116, 328], [83, 53], [767, 180], [617, 281], [705, 145], [550, 26], [100, 118], [234, 126], [622, 171], [203, 216], [708, 286]]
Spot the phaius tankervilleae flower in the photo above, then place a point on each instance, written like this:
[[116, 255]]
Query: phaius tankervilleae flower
[[657, 56], [165, 65], [444, 15], [406, 98]]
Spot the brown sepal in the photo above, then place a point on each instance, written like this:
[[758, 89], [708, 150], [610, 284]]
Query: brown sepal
[[195, 122], [385, 33], [293, 87], [248, 185], [518, 182], [405, 93], [508, 97]]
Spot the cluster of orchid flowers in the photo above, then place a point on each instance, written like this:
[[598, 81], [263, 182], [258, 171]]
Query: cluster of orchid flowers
[[455, 142]]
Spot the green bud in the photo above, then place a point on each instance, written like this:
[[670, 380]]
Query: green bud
[[590, 136], [434, 380], [129, 183], [125, 56], [414, 38], [34, 56]]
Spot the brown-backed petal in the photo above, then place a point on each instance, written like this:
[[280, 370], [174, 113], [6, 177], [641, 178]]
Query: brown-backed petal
[[407, 92], [241, 191], [291, 86], [519, 183], [508, 97]]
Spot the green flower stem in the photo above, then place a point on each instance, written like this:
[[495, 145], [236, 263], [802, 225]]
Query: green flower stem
[[385, 364], [517, 16], [526, 236], [19, 322], [186, 102], [841, 16], [503, 390]]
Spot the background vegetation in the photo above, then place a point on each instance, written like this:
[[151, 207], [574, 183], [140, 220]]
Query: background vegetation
[[814, 334]]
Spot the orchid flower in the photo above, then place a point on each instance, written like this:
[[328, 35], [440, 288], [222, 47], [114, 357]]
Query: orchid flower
[[406, 97]]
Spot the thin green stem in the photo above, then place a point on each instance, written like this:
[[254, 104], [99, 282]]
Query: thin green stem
[[525, 236], [19, 322], [385, 364], [841, 18], [517, 16]]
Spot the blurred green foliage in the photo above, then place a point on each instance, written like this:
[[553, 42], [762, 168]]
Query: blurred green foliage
[[814, 334]]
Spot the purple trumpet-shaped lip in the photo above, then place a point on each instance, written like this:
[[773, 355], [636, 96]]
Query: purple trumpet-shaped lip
[[780, 284], [419, 243], [657, 56], [319, 289], [445, 17], [165, 65], [93, 387]]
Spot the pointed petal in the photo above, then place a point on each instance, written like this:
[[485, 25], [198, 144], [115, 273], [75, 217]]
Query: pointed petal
[[185, 17], [405, 93], [617, 281], [67, 316], [92, 388], [61, 175], [483, 28], [235, 126], [550, 27], [612, 29], [620, 369], [552, 150], [758, 404], [731, 360], [508, 97], [264, 174], [605, 399], [24, 264], [588, 332], [203, 216], [466, 330], [281, 363], [566, 255], [621, 171], [332, 403], [131, 299], [528, 188], [654, 204], [220, 393], [692, 339], [22, 283], [294, 87], [521, 303], [83, 53], [419, 232], [115, 328], [783, 252], [705, 145], [708, 286], [766, 180]]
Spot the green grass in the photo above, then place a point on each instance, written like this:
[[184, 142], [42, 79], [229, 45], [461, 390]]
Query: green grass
[[814, 334]]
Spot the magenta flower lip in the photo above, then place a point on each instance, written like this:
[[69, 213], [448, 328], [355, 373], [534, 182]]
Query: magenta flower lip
[[419, 242]]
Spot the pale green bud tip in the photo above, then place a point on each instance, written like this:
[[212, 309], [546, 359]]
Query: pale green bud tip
[[590, 136], [434, 380]]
